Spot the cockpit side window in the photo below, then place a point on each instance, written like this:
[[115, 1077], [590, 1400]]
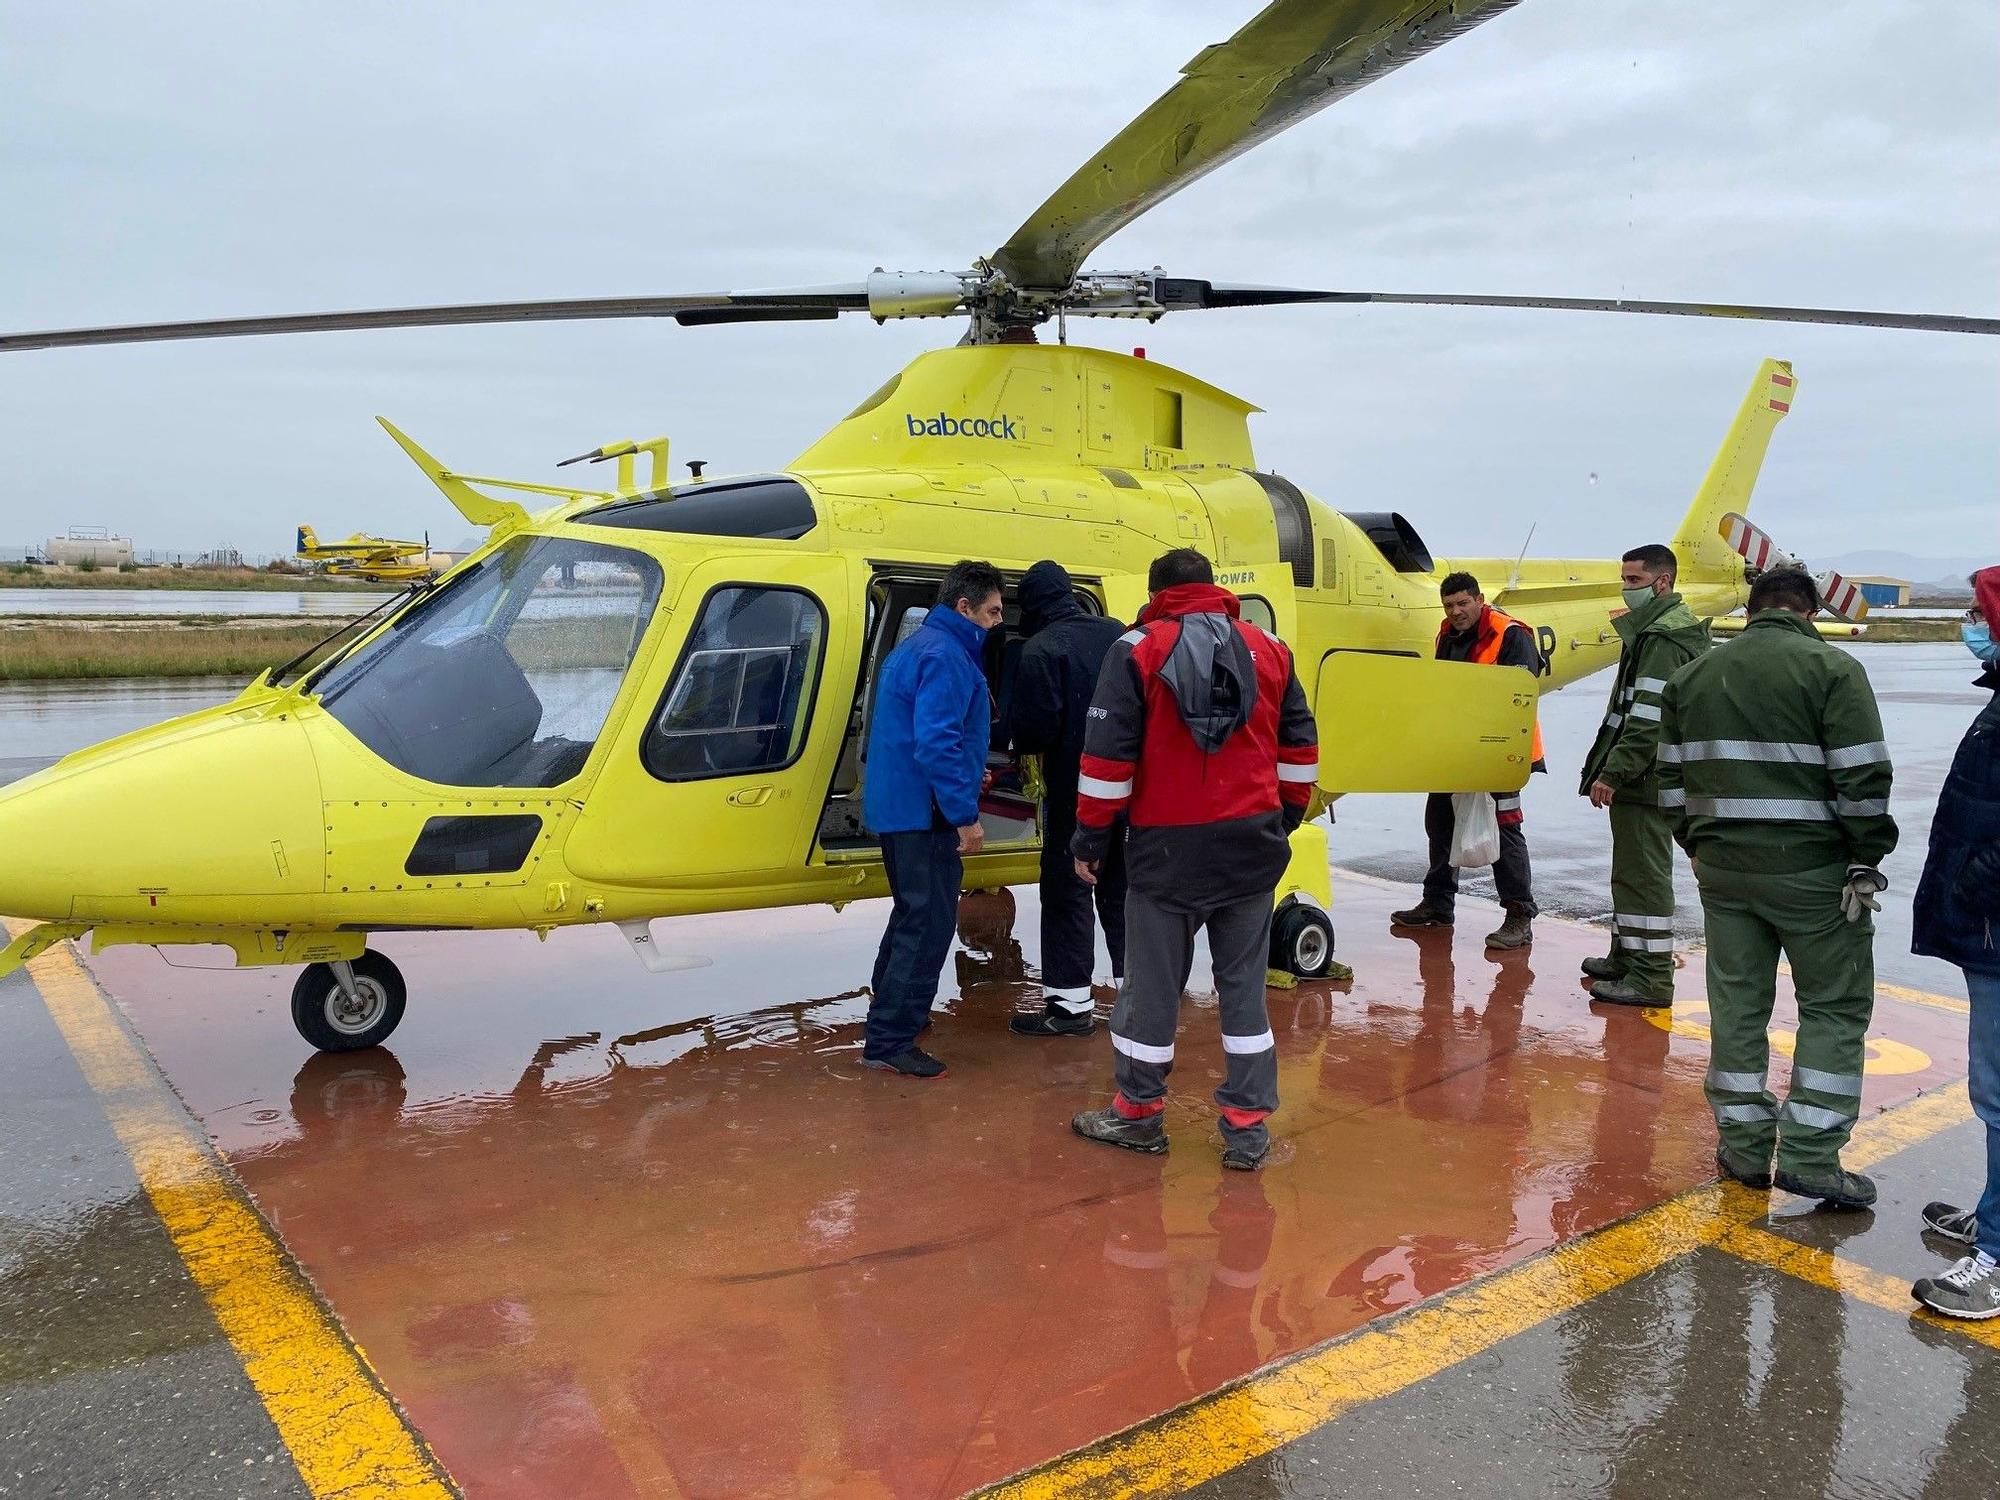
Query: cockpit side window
[[505, 676], [741, 699]]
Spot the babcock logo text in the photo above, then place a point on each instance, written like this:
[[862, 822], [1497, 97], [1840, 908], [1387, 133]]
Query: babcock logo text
[[978, 427]]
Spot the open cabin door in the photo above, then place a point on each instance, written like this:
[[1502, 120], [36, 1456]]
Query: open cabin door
[[1404, 724]]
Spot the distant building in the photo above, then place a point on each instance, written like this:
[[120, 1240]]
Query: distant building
[[1889, 593], [93, 545]]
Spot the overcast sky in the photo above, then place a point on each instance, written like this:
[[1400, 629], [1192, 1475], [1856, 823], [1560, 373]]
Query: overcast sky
[[166, 162]]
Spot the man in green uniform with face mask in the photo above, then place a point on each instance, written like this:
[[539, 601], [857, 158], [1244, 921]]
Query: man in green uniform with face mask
[[1771, 754], [1660, 635]]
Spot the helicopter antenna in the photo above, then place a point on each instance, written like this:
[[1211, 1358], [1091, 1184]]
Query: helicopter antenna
[[1514, 578]]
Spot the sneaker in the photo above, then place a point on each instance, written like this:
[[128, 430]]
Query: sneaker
[[1113, 1129], [911, 1062], [1053, 1020], [1835, 1187], [1245, 1158], [1741, 1169], [1970, 1289], [1951, 1222], [1603, 968], [1518, 931], [1618, 992], [1423, 914]]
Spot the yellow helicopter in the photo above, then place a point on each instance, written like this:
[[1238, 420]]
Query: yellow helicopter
[[374, 558], [652, 700]]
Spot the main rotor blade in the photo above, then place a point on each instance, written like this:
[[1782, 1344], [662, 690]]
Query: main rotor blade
[[1219, 295], [1292, 60], [803, 302]]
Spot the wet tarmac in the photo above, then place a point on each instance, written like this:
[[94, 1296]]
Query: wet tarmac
[[608, 1233], [45, 721], [274, 602]]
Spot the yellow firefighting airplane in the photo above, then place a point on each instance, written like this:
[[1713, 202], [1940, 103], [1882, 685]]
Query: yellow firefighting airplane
[[652, 700], [378, 559]]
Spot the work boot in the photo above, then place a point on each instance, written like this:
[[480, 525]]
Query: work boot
[[1053, 1020], [1952, 1222], [1423, 914], [1603, 968], [911, 1062], [1113, 1129], [1518, 931], [1836, 1187], [1239, 1158], [1619, 992], [1746, 1170], [1970, 1289]]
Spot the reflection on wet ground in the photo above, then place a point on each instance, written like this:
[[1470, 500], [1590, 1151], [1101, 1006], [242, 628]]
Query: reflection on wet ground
[[609, 1233]]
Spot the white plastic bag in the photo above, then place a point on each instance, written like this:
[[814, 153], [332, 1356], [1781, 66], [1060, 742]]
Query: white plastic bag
[[1475, 830]]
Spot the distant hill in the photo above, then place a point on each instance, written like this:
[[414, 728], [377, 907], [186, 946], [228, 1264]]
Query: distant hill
[[1949, 572]]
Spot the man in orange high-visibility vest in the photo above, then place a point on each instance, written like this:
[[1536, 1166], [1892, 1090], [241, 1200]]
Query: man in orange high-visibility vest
[[1474, 630]]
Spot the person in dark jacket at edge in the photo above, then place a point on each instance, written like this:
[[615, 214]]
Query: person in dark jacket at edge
[[1199, 735], [1474, 630], [1058, 671], [926, 765], [1958, 919]]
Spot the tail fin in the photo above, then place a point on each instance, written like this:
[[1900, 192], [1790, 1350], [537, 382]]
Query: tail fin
[[1733, 474], [307, 541]]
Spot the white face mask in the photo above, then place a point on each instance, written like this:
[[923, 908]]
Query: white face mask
[[1637, 598]]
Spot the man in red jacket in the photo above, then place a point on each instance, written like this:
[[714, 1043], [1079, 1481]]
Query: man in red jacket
[[1199, 735]]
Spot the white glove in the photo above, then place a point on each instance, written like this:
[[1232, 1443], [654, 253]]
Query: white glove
[[1858, 895]]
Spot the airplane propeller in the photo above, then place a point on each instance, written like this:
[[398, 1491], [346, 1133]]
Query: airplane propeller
[[1291, 60]]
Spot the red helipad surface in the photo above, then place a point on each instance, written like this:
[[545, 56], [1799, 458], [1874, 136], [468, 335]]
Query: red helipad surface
[[611, 1233]]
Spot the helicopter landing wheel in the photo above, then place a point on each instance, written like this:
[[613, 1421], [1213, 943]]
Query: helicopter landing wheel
[[346, 1018], [1302, 941]]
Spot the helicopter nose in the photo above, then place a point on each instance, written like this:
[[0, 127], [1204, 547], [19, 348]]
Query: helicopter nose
[[198, 819]]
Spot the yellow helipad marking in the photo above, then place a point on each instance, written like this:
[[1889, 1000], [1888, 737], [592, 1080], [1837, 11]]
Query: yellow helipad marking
[[1864, 1284], [345, 1435], [1883, 1056], [1925, 997], [1243, 1422]]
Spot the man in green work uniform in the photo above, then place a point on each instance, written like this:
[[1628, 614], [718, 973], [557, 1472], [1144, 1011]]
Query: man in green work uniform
[[1771, 754], [1660, 635]]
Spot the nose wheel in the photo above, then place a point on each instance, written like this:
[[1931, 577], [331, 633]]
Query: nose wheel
[[345, 1006]]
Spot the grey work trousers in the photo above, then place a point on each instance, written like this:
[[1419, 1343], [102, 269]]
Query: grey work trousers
[[1159, 952]]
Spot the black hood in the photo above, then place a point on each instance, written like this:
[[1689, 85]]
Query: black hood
[[1046, 596]]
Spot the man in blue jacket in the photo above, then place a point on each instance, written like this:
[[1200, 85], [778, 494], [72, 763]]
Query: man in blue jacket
[[926, 761]]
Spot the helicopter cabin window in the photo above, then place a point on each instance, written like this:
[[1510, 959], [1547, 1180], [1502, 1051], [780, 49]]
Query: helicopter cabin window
[[505, 675], [741, 699], [1259, 613]]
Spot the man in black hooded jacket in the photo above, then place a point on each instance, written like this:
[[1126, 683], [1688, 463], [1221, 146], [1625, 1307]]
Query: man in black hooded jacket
[[1052, 686]]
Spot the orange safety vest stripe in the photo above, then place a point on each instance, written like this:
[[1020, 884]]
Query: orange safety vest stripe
[[1486, 651]]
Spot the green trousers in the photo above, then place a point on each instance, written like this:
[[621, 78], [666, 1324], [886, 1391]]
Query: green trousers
[[1642, 897], [1750, 919]]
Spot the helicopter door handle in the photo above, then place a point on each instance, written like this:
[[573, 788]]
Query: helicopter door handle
[[750, 796]]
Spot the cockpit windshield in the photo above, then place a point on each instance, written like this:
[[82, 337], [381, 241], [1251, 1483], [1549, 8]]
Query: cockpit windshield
[[504, 676]]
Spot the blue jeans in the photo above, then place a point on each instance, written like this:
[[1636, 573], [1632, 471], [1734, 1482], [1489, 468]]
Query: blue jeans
[[924, 872], [1983, 1063]]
